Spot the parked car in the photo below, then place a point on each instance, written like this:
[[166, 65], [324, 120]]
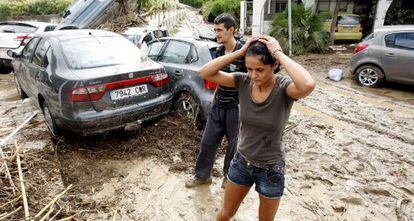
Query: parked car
[[385, 54], [87, 13], [91, 81], [182, 59], [15, 34], [348, 27], [139, 35]]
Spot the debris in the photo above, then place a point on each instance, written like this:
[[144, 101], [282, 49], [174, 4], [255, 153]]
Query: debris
[[337, 48], [19, 167], [335, 74], [57, 197]]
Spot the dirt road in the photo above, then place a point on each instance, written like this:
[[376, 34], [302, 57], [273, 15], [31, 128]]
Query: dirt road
[[350, 156]]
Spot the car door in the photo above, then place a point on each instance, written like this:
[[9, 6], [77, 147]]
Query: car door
[[38, 75], [175, 58], [398, 56], [23, 73]]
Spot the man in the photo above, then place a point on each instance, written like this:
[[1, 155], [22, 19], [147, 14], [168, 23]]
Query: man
[[224, 114]]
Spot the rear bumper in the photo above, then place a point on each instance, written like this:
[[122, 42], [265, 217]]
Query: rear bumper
[[348, 36], [113, 120]]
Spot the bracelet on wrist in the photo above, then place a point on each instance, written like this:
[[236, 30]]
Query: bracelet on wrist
[[275, 51]]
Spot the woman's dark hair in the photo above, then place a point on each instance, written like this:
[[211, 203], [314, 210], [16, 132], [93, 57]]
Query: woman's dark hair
[[259, 48], [226, 19]]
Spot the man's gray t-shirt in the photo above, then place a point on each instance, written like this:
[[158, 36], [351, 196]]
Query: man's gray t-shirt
[[262, 124]]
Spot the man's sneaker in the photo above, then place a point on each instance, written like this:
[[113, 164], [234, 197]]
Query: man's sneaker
[[193, 182], [223, 184]]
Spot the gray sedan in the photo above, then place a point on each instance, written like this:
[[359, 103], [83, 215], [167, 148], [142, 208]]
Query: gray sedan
[[183, 58], [386, 54], [91, 81]]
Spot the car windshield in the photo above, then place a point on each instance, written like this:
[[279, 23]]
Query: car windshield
[[133, 38], [16, 28], [82, 53], [348, 20]]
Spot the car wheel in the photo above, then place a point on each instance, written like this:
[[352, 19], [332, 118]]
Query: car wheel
[[20, 92], [50, 121], [5, 69], [369, 76], [186, 105]]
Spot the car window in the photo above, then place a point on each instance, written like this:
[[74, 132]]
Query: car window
[[193, 54], [133, 38], [40, 52], [147, 38], [28, 50], [176, 52], [164, 33], [348, 20], [404, 41], [50, 28], [389, 40], [82, 53], [16, 28], [154, 49]]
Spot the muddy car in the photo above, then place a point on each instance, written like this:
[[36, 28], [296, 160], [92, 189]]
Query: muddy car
[[183, 58], [90, 81], [14, 35], [385, 55], [139, 35]]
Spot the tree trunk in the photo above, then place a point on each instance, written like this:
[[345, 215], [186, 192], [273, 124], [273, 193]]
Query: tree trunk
[[334, 21]]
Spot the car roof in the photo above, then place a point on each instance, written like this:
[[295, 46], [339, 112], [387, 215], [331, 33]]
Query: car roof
[[77, 33], [395, 28], [142, 30], [35, 24], [198, 41]]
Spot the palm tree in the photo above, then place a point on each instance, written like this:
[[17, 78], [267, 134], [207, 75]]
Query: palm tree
[[307, 30]]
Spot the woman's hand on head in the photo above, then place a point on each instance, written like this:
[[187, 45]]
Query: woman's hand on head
[[271, 43], [246, 46]]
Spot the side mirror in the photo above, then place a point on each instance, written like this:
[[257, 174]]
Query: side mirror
[[12, 54]]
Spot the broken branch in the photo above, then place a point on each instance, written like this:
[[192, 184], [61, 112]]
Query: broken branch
[[53, 201]]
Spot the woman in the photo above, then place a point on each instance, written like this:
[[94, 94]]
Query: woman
[[265, 103]]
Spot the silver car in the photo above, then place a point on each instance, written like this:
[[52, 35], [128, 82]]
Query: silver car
[[14, 34], [386, 54]]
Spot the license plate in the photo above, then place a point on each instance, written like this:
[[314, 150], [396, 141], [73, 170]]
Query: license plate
[[129, 92]]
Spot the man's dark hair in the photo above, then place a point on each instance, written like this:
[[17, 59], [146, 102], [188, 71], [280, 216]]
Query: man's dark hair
[[260, 49], [226, 19]]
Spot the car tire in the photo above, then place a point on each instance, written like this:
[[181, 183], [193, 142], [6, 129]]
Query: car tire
[[5, 69], [50, 121], [20, 91], [186, 105], [369, 76]]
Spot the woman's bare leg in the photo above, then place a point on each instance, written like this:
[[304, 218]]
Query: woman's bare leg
[[268, 208], [233, 196]]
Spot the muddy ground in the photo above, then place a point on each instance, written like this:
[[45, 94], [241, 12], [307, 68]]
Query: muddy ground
[[350, 156]]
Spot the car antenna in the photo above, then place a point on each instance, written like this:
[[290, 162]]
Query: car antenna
[[90, 33]]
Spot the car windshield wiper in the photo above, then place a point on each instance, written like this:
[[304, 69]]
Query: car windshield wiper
[[9, 31]]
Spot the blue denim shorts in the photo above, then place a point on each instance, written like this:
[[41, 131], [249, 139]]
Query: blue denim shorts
[[269, 179]]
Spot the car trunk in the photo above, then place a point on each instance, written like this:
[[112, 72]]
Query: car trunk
[[12, 35], [117, 87]]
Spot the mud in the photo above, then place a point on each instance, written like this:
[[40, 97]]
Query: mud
[[350, 156]]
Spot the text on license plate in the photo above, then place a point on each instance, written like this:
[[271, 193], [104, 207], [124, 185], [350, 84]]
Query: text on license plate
[[129, 92]]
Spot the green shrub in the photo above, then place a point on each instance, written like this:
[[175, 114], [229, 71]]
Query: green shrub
[[37, 7], [307, 30], [193, 3], [213, 8]]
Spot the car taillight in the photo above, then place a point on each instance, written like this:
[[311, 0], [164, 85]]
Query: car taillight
[[90, 93], [209, 85], [23, 39], [159, 80], [360, 47]]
